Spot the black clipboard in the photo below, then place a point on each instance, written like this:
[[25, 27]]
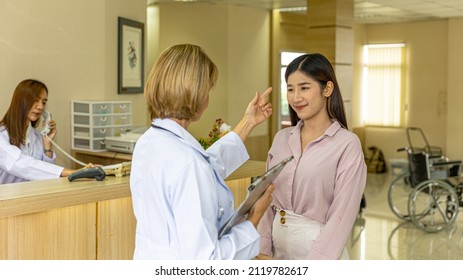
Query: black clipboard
[[255, 190]]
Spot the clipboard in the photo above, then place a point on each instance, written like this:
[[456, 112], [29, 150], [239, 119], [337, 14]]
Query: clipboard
[[255, 190]]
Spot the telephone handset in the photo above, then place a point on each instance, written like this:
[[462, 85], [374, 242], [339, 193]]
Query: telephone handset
[[46, 118]]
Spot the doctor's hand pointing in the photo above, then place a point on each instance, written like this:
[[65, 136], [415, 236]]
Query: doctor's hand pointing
[[258, 111]]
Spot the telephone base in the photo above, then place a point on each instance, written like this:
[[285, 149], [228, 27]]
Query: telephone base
[[119, 169]]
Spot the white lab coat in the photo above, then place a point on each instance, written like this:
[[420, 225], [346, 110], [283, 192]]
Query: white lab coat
[[180, 199], [28, 162]]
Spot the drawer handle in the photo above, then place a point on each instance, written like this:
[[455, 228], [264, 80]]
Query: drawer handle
[[103, 130], [103, 119]]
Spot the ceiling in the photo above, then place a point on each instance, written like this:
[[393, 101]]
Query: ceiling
[[365, 11]]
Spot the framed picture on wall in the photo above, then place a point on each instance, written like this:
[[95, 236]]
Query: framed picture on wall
[[130, 56]]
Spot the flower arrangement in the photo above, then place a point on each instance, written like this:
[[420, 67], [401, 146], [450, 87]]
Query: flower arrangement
[[219, 129]]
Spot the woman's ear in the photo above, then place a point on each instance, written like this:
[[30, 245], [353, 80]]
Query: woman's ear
[[328, 90]]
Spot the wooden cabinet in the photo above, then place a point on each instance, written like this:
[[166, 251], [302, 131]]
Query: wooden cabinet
[[81, 220]]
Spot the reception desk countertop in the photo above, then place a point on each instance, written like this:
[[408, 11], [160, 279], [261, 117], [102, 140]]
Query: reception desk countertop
[[36, 196]]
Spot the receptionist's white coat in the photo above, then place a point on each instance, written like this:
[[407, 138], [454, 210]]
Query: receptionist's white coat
[[28, 162], [180, 199]]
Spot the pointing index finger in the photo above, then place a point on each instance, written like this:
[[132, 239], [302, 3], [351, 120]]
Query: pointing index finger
[[265, 97]]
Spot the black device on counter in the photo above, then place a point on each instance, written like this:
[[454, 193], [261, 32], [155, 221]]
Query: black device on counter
[[88, 173]]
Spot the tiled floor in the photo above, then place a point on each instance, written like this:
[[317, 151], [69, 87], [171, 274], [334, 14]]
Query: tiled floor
[[379, 235]]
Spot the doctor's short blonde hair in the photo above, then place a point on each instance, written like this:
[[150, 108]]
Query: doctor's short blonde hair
[[179, 83]]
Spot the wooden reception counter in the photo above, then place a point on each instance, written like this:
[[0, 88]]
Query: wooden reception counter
[[84, 219]]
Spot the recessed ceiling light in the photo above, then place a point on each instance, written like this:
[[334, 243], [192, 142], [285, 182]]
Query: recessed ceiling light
[[293, 9]]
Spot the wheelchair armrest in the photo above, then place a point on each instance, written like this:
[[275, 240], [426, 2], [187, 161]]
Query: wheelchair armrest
[[452, 162], [436, 156]]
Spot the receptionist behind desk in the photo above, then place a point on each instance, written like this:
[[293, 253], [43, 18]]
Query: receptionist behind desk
[[180, 199], [25, 154]]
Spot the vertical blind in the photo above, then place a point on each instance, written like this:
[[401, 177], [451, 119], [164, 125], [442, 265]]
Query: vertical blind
[[382, 85]]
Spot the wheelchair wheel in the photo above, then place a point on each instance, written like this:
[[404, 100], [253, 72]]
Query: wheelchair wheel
[[433, 205], [398, 196]]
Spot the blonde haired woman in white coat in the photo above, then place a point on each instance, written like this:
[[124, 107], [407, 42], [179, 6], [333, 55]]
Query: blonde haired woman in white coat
[[180, 199]]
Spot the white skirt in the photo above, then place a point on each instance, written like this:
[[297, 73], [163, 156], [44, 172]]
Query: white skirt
[[293, 236]]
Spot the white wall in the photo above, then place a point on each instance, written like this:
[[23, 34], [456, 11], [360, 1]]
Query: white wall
[[152, 32], [455, 90], [71, 46], [134, 10], [236, 39], [248, 60], [426, 81]]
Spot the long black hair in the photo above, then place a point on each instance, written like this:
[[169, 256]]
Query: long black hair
[[320, 69]]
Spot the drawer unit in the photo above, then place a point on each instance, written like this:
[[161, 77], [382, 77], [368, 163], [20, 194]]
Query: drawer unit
[[103, 120], [87, 144], [93, 121], [98, 132]]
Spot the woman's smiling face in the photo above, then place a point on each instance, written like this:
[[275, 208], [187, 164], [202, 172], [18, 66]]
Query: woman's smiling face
[[305, 96]]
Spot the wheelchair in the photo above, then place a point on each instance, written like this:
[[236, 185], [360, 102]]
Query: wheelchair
[[429, 194]]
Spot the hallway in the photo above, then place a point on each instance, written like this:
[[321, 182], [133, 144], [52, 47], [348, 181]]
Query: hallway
[[379, 235]]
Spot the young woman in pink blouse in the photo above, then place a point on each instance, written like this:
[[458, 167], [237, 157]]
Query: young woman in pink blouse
[[319, 192]]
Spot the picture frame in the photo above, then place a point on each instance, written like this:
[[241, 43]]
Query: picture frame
[[131, 57]]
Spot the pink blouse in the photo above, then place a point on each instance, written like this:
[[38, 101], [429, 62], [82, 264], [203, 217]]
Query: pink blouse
[[325, 182]]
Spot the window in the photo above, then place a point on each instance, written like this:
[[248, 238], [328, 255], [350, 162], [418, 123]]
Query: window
[[382, 85], [285, 59]]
